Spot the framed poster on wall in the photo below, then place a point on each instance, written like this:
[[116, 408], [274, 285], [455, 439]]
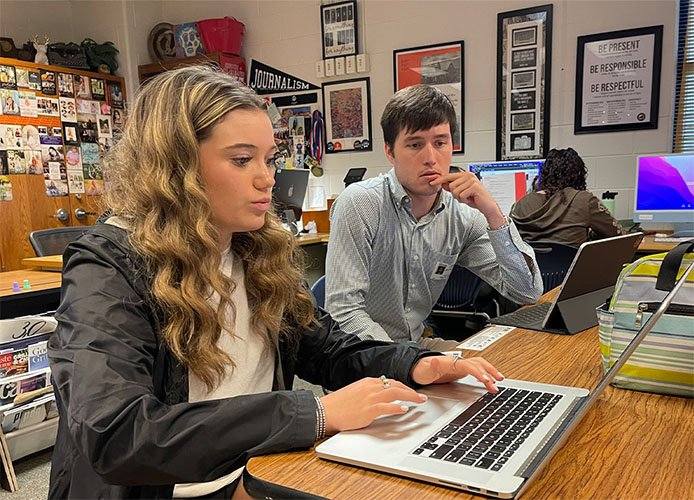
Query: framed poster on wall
[[618, 80], [440, 66], [339, 29], [524, 55], [347, 115]]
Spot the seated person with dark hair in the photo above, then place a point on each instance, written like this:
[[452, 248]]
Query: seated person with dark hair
[[562, 210], [395, 238]]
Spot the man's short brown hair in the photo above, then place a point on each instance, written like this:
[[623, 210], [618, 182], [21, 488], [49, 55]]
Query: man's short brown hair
[[415, 108]]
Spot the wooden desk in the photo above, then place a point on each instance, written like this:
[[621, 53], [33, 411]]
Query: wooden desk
[[630, 445], [43, 295], [310, 239], [55, 262], [49, 262], [649, 245], [39, 280]]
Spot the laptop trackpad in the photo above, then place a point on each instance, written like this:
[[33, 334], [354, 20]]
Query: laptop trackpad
[[400, 427]]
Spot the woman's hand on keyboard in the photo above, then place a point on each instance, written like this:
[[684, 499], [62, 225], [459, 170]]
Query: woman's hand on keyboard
[[443, 369], [360, 403]]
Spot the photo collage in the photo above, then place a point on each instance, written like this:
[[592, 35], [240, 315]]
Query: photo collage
[[68, 153]]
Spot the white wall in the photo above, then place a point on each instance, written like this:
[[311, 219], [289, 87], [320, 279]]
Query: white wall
[[286, 35]]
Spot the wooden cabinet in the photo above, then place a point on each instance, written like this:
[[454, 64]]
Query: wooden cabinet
[[30, 208], [229, 63]]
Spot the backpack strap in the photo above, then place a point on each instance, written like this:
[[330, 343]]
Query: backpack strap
[[671, 264]]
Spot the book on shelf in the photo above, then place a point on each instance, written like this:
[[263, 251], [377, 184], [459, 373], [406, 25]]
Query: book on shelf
[[30, 413], [11, 387]]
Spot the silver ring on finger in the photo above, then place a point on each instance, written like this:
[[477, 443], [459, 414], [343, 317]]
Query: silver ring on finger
[[385, 382]]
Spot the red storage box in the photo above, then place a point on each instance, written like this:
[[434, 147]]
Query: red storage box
[[221, 35], [233, 65]]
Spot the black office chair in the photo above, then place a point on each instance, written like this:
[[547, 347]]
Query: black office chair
[[554, 260], [467, 294], [54, 241], [318, 290]]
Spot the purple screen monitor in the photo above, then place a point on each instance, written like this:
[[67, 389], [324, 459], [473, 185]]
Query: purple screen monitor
[[665, 189]]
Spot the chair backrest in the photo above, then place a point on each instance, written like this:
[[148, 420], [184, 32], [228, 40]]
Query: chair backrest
[[554, 260], [461, 289], [54, 241], [318, 290]]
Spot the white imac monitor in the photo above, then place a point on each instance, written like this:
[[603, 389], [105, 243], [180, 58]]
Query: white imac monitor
[[665, 191], [508, 181]]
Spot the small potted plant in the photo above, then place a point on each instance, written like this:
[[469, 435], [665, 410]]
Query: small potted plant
[[101, 57]]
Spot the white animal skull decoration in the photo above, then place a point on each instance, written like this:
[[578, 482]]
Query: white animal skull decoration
[[41, 56]]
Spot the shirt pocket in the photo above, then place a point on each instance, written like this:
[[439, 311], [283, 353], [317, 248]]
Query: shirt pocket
[[440, 266]]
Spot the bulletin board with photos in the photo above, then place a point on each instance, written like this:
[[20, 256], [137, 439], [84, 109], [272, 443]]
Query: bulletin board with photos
[[291, 115], [57, 122]]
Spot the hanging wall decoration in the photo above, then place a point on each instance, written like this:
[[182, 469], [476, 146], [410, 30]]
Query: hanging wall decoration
[[618, 80], [524, 55], [347, 115], [339, 29], [265, 79], [440, 66]]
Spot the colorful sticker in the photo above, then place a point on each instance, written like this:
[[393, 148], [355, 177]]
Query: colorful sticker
[[48, 82], [56, 188], [10, 102], [15, 161], [28, 105], [65, 85], [5, 188], [82, 88], [8, 79], [98, 89], [68, 109]]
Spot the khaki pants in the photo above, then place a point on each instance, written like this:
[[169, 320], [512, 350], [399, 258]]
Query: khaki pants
[[436, 343]]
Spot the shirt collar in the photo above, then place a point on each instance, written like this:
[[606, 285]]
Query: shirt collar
[[400, 196]]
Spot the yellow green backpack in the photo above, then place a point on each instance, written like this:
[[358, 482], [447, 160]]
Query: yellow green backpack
[[664, 362]]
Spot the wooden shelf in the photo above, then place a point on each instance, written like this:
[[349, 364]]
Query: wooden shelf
[[23, 442], [147, 71], [32, 439]]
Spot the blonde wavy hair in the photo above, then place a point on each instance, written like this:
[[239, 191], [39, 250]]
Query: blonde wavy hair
[[154, 184]]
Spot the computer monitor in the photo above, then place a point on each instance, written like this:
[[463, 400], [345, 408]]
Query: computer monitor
[[354, 175], [290, 190], [665, 191], [508, 181]]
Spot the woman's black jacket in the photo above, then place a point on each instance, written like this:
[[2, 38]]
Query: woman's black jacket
[[126, 429]]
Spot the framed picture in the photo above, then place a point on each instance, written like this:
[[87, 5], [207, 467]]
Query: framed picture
[[70, 134], [347, 115], [339, 29], [618, 80], [523, 70], [440, 66]]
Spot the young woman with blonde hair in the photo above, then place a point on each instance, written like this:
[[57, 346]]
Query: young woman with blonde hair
[[184, 320]]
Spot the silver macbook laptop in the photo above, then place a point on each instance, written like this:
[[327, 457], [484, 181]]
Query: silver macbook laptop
[[589, 281], [466, 438]]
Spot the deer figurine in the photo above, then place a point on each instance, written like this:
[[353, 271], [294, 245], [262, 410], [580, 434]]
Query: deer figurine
[[41, 56]]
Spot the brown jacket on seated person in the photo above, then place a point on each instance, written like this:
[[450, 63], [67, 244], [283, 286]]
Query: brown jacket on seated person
[[563, 211]]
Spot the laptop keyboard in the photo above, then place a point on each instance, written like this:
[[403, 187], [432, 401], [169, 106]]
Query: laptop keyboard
[[489, 431], [529, 316]]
